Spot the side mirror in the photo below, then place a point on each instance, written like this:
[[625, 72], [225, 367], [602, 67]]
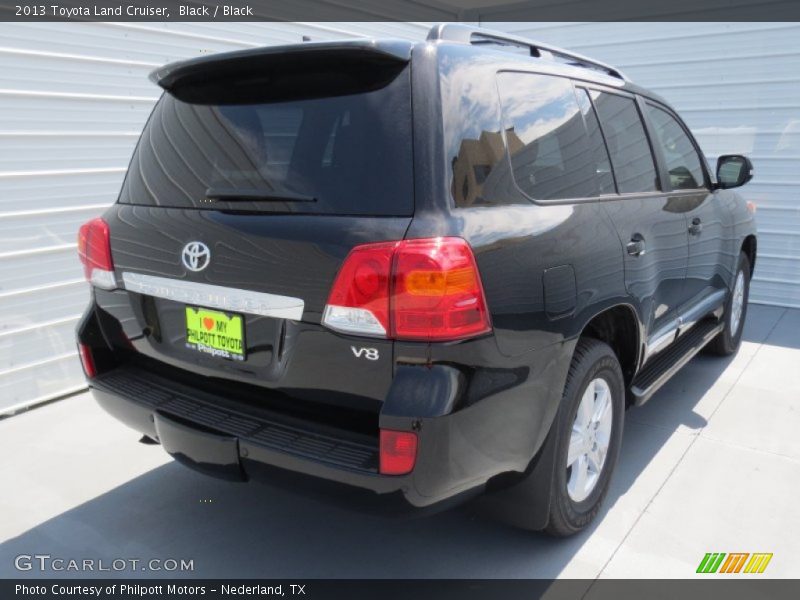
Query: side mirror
[[733, 170]]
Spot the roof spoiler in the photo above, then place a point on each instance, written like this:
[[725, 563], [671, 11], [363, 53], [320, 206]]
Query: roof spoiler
[[232, 64]]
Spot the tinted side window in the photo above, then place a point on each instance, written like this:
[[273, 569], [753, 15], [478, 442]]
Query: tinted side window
[[598, 146], [631, 157], [479, 171], [683, 162], [550, 154]]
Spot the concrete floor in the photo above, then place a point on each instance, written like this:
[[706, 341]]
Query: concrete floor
[[711, 464]]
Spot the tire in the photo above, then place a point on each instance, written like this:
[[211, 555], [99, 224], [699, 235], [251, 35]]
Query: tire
[[574, 505], [730, 338]]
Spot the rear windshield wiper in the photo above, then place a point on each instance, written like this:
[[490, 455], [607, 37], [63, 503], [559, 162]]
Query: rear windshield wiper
[[254, 195]]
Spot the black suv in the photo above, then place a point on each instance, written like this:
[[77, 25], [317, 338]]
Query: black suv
[[411, 271]]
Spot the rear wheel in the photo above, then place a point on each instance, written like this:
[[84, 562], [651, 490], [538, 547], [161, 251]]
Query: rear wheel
[[590, 434], [729, 339]]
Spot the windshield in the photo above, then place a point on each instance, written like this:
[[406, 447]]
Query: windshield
[[343, 155]]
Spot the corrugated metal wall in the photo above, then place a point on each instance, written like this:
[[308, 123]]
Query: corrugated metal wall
[[73, 99], [74, 96], [737, 85]]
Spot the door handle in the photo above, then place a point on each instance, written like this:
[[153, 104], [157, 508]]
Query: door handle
[[696, 227], [636, 247]]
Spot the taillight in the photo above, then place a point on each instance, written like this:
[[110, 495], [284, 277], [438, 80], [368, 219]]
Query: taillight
[[87, 360], [437, 291], [398, 452], [94, 250], [359, 299], [425, 289]]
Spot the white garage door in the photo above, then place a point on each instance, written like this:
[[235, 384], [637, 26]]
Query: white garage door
[[73, 99], [737, 85]]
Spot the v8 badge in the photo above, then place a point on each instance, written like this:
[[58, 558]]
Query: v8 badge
[[368, 353]]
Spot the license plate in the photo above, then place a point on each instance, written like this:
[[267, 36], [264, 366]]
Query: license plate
[[215, 333]]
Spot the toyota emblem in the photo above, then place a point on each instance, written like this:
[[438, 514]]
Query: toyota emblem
[[195, 256]]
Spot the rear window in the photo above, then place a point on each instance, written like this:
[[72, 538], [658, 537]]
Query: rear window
[[344, 154]]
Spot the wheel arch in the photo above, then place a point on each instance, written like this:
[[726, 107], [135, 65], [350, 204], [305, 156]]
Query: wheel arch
[[526, 502], [618, 326], [749, 246]]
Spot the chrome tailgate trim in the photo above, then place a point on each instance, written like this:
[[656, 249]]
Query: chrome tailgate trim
[[215, 296]]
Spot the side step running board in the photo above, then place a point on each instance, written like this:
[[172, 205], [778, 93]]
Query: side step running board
[[665, 365]]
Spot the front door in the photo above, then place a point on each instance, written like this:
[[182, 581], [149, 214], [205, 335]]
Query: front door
[[705, 284]]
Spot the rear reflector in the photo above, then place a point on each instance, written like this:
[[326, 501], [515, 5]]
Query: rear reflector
[[398, 452], [87, 360], [94, 250], [424, 290]]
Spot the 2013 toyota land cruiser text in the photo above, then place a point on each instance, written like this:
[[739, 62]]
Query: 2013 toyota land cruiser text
[[413, 272]]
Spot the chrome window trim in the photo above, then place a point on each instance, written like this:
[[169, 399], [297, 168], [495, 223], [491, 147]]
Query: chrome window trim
[[215, 296]]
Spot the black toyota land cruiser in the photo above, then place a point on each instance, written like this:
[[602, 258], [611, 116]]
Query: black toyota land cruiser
[[415, 272]]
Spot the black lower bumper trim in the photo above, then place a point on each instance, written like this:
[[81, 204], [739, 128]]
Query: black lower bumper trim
[[264, 430], [206, 434], [224, 437], [204, 451], [221, 455]]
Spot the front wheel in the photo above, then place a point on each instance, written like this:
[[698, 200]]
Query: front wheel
[[590, 424], [728, 340]]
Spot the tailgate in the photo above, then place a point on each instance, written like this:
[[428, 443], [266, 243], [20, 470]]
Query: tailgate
[[247, 190]]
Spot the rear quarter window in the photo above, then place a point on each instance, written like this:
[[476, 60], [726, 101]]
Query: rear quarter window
[[477, 166], [551, 155]]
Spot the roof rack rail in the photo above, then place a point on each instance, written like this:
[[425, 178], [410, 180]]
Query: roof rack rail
[[468, 34]]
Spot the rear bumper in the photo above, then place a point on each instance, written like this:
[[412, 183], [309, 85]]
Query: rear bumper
[[200, 431], [477, 414]]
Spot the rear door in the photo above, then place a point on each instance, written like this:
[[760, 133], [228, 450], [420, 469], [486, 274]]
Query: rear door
[[243, 198], [651, 228]]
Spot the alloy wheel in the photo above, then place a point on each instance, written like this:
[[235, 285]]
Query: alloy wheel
[[589, 439]]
